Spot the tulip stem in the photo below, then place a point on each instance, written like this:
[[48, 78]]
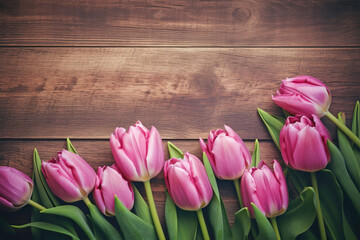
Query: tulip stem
[[87, 201], [202, 223], [153, 211], [344, 128], [238, 192], [318, 209], [36, 205], [275, 227]]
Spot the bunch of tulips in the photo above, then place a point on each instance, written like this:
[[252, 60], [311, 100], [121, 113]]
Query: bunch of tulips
[[261, 186]]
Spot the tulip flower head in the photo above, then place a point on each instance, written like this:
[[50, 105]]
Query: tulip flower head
[[138, 152], [187, 182], [303, 95], [227, 153], [69, 176], [303, 143], [110, 182], [265, 186], [15, 188]]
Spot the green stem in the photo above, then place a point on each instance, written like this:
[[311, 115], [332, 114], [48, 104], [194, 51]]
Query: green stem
[[87, 201], [238, 193], [344, 128], [153, 211], [275, 227], [318, 209], [202, 223], [36, 205]]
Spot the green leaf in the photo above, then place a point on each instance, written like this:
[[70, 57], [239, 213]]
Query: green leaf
[[272, 124], [178, 219], [216, 209], [337, 166], [101, 225], [351, 161], [299, 216], [73, 213], [355, 124], [70, 147], [48, 227], [266, 231], [255, 157], [175, 152], [242, 224], [141, 208], [131, 226]]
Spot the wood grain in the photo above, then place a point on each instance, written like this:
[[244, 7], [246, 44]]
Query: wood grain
[[185, 92], [179, 23], [18, 154]]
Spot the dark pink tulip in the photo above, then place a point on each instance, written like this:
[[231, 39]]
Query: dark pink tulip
[[15, 188], [187, 182], [266, 188], [227, 153], [138, 153], [110, 182], [303, 143], [69, 176], [303, 95]]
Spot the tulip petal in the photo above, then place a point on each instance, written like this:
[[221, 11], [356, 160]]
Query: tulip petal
[[248, 192], [5, 203], [125, 165], [205, 149], [155, 156]]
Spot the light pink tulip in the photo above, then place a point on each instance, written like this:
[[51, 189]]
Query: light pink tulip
[[110, 182], [227, 153], [266, 188], [187, 182], [69, 176], [138, 153], [15, 188], [303, 143], [303, 95]]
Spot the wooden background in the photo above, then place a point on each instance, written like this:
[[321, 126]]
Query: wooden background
[[79, 69]]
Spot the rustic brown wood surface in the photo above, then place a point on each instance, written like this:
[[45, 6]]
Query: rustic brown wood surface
[[79, 69]]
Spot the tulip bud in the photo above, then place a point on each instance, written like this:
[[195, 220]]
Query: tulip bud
[[110, 182], [303, 143], [138, 153], [227, 153], [187, 182], [266, 188], [303, 95], [69, 176], [15, 188]]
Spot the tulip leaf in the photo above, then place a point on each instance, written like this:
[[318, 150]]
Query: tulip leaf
[[242, 224], [273, 125], [355, 124], [49, 227], [141, 209], [174, 151], [101, 225], [299, 216], [73, 213], [337, 166], [131, 226], [70, 147], [351, 161], [178, 219], [255, 157], [266, 231], [216, 209]]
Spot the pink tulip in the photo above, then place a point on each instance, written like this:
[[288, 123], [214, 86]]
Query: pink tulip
[[303, 143], [138, 153], [187, 182], [303, 95], [15, 188], [69, 176], [227, 153], [266, 188], [110, 182]]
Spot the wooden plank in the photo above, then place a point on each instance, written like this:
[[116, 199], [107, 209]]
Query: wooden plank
[[180, 23], [185, 92], [18, 154]]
